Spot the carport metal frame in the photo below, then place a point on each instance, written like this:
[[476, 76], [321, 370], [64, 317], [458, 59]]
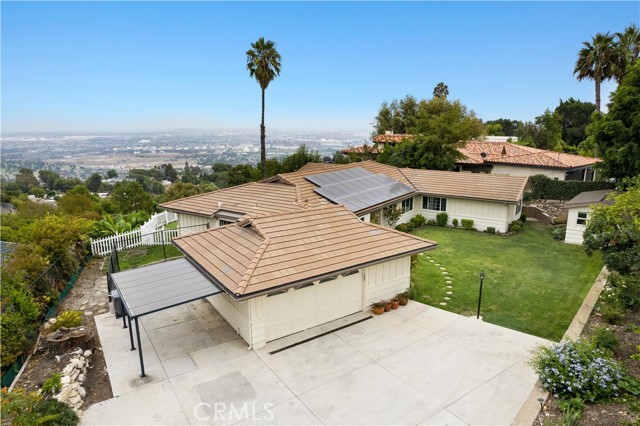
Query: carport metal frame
[[201, 287]]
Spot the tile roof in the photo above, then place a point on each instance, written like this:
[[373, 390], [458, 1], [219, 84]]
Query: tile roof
[[520, 155], [479, 186], [250, 198], [284, 249], [588, 198]]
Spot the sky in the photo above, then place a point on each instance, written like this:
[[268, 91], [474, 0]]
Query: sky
[[157, 66]]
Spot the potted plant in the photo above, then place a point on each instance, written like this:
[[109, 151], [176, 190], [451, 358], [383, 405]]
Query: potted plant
[[387, 306], [403, 298], [378, 307], [395, 303]]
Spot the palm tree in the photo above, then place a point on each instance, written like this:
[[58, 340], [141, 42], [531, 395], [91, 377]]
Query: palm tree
[[595, 61], [628, 50], [263, 63], [441, 90]]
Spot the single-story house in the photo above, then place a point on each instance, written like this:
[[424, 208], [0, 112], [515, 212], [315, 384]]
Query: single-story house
[[519, 160], [578, 212], [366, 188], [496, 156], [286, 272]]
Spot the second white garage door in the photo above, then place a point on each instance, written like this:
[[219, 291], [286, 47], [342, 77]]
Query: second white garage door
[[312, 305]]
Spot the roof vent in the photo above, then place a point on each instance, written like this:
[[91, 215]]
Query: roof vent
[[504, 150], [219, 204], [483, 154]]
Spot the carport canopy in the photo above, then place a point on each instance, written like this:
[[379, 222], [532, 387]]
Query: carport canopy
[[153, 288]]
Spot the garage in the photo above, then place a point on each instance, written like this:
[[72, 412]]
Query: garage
[[307, 306]]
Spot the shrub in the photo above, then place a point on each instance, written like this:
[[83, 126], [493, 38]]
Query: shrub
[[612, 312], [68, 319], [559, 232], [418, 220], [431, 222], [442, 219], [52, 384], [491, 230], [546, 188], [604, 338], [523, 217], [467, 224], [410, 226], [454, 222], [515, 227], [52, 412], [577, 370], [624, 288], [402, 227]]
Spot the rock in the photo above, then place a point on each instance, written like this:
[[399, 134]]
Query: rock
[[74, 375], [57, 357], [77, 351], [81, 378], [68, 370], [47, 326], [52, 321], [82, 392], [88, 313], [65, 380], [75, 399], [87, 353]]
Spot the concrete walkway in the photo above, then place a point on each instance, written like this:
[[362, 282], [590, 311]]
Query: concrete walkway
[[414, 365]]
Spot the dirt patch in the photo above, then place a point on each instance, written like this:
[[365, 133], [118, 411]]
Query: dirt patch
[[89, 296], [624, 411]]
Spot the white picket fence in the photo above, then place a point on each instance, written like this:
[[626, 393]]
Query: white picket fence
[[149, 234]]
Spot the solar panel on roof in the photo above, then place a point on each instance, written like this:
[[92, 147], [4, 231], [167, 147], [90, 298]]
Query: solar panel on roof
[[357, 188]]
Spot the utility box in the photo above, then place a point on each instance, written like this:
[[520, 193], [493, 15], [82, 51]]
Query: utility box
[[117, 303]]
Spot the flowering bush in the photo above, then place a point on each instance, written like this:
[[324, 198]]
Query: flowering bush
[[577, 370]]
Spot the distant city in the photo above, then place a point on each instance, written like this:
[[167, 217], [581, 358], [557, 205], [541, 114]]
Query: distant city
[[81, 155]]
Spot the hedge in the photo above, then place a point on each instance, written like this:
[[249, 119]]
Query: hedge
[[550, 189]]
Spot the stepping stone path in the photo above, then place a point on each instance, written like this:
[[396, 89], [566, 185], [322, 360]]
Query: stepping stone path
[[447, 278]]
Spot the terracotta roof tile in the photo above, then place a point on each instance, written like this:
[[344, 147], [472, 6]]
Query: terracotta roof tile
[[293, 248], [398, 137], [509, 153]]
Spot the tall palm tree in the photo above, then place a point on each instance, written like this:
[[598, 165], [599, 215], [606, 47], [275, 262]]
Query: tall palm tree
[[263, 63], [595, 61], [441, 90], [628, 50]]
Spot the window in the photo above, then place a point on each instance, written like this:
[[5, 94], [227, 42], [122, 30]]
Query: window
[[225, 222], [519, 207], [407, 205], [434, 203], [582, 218]]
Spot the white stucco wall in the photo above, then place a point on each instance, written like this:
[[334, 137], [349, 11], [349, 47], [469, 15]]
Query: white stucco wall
[[236, 313], [500, 169], [574, 230], [483, 213]]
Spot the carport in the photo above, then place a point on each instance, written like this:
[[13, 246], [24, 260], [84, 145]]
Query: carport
[[157, 287]]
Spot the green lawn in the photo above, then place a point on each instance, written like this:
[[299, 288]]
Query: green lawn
[[143, 255], [533, 283]]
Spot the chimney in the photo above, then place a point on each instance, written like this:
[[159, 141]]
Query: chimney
[[388, 132]]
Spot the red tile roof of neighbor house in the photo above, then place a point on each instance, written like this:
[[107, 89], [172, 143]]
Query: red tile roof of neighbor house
[[520, 155], [264, 252], [397, 137]]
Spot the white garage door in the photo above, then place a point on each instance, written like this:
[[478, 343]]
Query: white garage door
[[306, 307]]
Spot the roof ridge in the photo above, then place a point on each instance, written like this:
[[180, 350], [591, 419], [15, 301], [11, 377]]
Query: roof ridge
[[246, 277]]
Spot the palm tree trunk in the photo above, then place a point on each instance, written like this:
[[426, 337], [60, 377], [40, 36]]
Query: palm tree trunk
[[263, 148], [597, 96]]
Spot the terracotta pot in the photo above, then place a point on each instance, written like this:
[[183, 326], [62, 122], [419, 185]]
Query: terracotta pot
[[395, 304], [403, 302], [387, 306], [378, 310]]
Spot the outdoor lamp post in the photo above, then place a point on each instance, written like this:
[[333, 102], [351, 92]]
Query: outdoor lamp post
[[480, 296]]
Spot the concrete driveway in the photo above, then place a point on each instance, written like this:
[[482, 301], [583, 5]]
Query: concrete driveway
[[415, 365]]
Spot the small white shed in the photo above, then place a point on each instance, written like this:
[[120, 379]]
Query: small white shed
[[578, 212]]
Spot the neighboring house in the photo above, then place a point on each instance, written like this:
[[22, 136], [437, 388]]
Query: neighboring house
[[366, 189], [286, 272], [496, 156], [578, 212], [518, 160]]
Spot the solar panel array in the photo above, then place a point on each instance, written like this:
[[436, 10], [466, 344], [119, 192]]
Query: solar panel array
[[357, 188]]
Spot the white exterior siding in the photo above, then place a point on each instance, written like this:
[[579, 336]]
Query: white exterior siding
[[194, 223], [257, 319], [385, 280], [483, 213], [501, 169], [574, 229]]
